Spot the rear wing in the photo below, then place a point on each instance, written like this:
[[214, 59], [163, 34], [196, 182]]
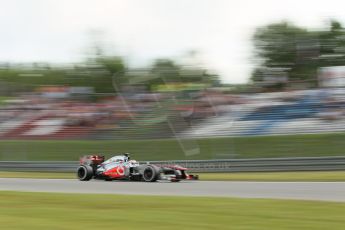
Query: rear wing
[[91, 160]]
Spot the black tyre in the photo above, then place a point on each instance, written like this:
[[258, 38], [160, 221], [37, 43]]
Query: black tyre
[[150, 173], [85, 172]]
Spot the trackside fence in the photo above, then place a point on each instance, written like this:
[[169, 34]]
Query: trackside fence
[[224, 165]]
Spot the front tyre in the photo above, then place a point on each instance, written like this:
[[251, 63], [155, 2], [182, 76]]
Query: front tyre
[[150, 173], [85, 172]]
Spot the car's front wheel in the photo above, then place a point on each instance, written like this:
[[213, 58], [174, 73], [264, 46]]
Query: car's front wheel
[[85, 172], [150, 173]]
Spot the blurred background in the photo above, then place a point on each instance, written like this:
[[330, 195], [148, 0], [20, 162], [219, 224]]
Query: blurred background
[[168, 81]]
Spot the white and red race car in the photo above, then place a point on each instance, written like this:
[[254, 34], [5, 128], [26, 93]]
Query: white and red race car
[[121, 167]]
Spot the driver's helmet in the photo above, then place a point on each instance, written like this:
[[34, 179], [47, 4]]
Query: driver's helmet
[[127, 157]]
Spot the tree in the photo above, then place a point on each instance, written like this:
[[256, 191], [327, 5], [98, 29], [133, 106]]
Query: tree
[[169, 71], [112, 64], [281, 46], [332, 45], [297, 51], [165, 70]]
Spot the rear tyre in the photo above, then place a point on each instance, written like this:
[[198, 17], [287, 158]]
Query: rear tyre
[[85, 172], [150, 173]]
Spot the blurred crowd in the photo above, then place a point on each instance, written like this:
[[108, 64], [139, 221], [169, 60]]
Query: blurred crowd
[[41, 111], [42, 115]]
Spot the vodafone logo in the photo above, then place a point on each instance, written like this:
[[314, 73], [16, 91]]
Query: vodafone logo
[[120, 170]]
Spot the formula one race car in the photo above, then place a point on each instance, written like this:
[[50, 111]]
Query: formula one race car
[[123, 168]]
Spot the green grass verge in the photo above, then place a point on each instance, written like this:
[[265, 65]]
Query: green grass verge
[[38, 175], [28, 211], [276, 176], [3, 99], [170, 149], [264, 176]]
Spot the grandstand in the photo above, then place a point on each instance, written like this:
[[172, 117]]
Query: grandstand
[[309, 112], [300, 112]]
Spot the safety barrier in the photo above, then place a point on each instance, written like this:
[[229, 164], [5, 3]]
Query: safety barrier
[[223, 165]]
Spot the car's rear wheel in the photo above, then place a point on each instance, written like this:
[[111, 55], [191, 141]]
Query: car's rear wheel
[[150, 173], [85, 172]]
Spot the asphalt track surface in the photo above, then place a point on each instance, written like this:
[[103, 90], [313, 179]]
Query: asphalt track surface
[[325, 191]]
